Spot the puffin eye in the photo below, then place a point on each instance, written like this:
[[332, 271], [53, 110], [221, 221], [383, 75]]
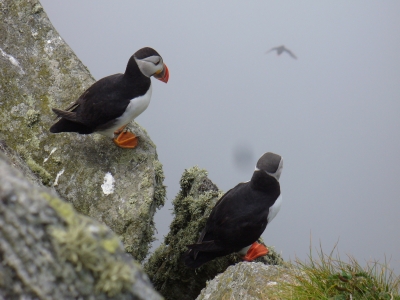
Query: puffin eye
[[155, 60]]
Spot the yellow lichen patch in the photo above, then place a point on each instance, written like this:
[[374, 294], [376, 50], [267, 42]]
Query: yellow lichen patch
[[114, 278], [111, 245], [64, 209], [92, 247], [32, 117], [39, 170], [34, 142]]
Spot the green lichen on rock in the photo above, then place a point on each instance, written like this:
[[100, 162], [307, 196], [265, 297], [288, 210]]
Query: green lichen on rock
[[90, 249], [160, 191], [32, 117], [192, 206], [250, 281], [41, 172], [49, 251], [39, 71]]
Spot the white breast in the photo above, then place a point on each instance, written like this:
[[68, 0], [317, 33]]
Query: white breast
[[274, 209], [135, 107]]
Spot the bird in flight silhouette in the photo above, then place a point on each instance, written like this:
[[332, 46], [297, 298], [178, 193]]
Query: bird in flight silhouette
[[280, 49]]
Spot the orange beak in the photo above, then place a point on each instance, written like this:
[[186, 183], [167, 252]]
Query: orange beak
[[163, 75]]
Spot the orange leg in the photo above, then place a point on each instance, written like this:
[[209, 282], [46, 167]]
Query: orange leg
[[125, 139], [119, 130], [256, 250]]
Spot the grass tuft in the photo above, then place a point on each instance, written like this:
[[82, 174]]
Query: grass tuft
[[329, 277]]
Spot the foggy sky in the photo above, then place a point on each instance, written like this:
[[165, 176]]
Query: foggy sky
[[333, 114]]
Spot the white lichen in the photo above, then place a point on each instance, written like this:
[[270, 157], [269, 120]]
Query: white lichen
[[51, 152], [108, 185], [13, 61], [52, 44], [58, 176]]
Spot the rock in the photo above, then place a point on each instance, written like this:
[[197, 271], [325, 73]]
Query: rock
[[249, 281], [38, 71], [192, 206], [18, 163], [49, 251]]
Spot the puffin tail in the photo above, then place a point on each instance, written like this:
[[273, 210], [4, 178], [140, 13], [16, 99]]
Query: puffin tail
[[64, 125], [195, 261], [68, 115], [200, 253]]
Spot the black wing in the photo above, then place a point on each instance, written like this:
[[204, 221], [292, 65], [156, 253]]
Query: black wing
[[272, 49], [290, 53], [243, 213]]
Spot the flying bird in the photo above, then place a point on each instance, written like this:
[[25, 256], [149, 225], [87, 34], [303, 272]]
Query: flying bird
[[280, 50], [112, 102], [241, 215]]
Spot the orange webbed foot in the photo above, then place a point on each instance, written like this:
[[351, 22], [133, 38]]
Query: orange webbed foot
[[126, 139], [119, 130], [255, 251]]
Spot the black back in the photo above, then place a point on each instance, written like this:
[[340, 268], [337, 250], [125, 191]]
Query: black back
[[237, 220], [240, 217], [105, 100]]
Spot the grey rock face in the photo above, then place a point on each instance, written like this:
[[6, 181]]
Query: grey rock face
[[247, 281], [192, 206], [119, 187], [49, 251]]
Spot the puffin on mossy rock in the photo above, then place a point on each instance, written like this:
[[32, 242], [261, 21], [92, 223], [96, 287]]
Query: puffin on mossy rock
[[111, 103], [240, 217]]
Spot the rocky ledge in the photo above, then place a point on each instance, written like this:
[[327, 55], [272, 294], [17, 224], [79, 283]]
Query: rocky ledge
[[38, 71]]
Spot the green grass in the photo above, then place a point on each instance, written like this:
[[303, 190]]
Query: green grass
[[326, 277]]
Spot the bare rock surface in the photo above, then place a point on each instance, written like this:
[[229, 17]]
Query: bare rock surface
[[49, 251], [192, 206], [38, 71]]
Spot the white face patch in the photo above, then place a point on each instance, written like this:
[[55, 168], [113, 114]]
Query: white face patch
[[150, 65], [108, 185]]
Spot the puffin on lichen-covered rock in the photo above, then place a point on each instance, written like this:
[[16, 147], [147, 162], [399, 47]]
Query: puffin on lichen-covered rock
[[241, 215], [111, 103]]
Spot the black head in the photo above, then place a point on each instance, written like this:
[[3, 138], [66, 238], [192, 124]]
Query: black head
[[145, 53], [271, 163], [149, 63]]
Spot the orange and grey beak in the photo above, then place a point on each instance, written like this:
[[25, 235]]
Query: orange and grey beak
[[163, 75]]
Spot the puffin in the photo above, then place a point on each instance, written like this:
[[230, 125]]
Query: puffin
[[240, 216], [108, 105], [280, 49]]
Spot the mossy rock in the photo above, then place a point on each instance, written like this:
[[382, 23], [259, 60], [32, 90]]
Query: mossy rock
[[38, 71], [49, 251], [192, 206], [247, 281]]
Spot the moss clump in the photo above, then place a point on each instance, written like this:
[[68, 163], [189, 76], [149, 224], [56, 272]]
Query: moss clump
[[192, 206], [89, 247], [159, 190], [44, 176], [32, 117]]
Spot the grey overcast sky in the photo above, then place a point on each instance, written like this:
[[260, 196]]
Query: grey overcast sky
[[333, 114]]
